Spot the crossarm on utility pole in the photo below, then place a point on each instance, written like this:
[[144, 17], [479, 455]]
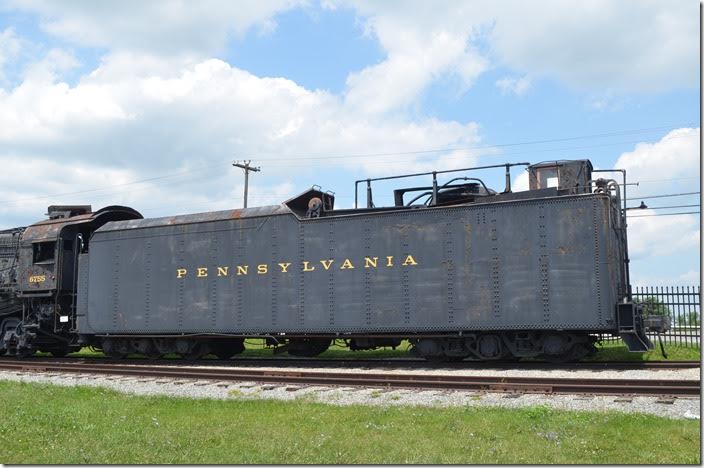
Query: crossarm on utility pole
[[246, 166]]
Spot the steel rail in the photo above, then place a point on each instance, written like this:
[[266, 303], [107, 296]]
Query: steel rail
[[386, 380], [412, 363], [399, 363]]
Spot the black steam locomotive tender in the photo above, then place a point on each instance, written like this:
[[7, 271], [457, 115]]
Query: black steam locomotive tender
[[458, 269]]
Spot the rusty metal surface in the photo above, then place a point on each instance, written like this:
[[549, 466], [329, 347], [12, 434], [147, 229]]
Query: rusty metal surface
[[686, 388], [195, 218], [43, 277], [573, 175], [49, 229]]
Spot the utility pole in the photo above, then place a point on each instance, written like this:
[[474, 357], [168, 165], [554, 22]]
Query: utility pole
[[245, 165]]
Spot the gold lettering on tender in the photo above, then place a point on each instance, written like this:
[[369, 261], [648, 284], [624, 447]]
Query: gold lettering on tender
[[409, 261], [263, 268]]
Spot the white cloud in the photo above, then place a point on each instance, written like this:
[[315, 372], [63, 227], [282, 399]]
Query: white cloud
[[517, 86], [599, 44], [521, 182], [173, 116], [166, 27], [668, 166], [688, 278], [10, 47], [652, 236], [54, 64], [606, 100], [671, 164], [157, 100], [412, 64], [625, 45], [631, 45]]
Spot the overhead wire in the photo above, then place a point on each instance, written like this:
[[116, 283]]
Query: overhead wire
[[463, 148], [375, 155], [665, 195], [663, 214], [663, 207], [368, 155]]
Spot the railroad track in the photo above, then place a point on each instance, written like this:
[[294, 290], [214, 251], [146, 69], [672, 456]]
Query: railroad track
[[385, 363], [411, 363], [680, 388]]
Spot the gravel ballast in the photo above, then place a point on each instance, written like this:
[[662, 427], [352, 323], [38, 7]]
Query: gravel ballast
[[688, 408], [659, 374]]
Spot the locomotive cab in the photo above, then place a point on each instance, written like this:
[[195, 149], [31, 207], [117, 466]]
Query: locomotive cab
[[47, 263]]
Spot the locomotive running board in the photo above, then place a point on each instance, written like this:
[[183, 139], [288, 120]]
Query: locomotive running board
[[632, 329]]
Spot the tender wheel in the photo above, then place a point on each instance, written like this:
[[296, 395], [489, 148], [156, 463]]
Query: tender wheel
[[558, 358], [25, 353], [571, 355], [153, 354], [197, 351], [456, 358], [308, 347], [115, 348], [59, 352], [227, 349]]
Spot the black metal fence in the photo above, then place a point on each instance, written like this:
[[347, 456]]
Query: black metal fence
[[681, 304]]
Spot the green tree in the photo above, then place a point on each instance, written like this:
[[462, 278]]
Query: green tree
[[689, 319], [654, 306]]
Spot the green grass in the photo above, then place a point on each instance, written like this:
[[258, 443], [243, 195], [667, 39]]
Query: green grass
[[58, 425], [618, 352]]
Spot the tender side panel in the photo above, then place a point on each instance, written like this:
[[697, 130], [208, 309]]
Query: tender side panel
[[519, 265]]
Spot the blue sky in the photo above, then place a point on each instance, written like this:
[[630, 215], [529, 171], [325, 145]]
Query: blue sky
[[147, 104]]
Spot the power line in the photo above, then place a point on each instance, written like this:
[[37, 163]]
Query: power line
[[666, 195], [109, 187], [665, 180], [369, 155], [500, 145], [664, 214], [118, 193], [466, 148], [664, 207]]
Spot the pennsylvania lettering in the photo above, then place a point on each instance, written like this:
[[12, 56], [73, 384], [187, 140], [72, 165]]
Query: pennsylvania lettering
[[287, 267]]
